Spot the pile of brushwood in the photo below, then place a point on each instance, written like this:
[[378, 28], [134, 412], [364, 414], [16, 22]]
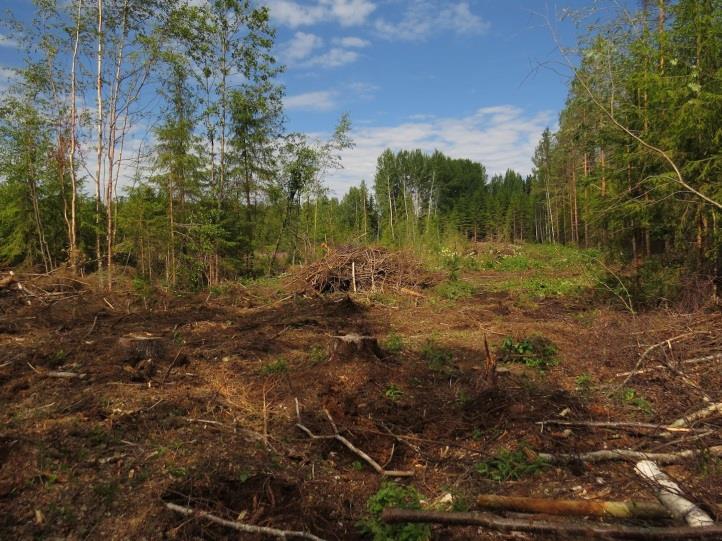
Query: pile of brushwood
[[361, 268]]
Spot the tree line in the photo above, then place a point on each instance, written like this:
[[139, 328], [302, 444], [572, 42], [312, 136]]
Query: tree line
[[635, 165], [222, 178], [224, 190]]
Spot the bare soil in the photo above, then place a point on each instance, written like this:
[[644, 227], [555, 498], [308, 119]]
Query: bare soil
[[211, 423]]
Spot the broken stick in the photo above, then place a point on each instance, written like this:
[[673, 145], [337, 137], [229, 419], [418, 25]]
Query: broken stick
[[671, 495], [570, 530], [350, 446], [240, 526], [584, 508]]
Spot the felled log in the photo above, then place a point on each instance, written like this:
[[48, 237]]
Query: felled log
[[710, 410], [353, 345], [584, 508], [571, 530], [628, 454], [671, 495]]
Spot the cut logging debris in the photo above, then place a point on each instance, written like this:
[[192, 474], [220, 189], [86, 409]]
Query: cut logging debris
[[584, 508], [671, 496], [361, 269], [350, 446], [240, 526], [572, 530]]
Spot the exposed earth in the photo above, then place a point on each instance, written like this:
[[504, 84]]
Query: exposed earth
[[207, 419]]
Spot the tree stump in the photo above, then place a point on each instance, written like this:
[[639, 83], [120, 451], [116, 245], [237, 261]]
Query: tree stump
[[140, 353], [353, 345], [488, 377]]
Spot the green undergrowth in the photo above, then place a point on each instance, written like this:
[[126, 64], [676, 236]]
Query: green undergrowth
[[511, 465], [533, 351], [397, 496]]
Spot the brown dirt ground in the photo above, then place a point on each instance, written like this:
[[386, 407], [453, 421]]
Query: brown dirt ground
[[95, 458]]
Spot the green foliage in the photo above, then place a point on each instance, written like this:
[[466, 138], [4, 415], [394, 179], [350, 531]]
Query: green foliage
[[317, 355], [277, 367], [534, 351], [397, 496], [393, 393], [454, 290], [583, 383], [394, 343], [510, 466], [437, 357], [632, 398]]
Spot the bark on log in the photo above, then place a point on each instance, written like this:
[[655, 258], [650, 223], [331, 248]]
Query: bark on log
[[627, 454], [585, 508], [572, 530], [697, 415], [671, 496]]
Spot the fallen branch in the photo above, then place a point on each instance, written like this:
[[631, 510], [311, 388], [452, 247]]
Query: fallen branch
[[621, 425], [239, 526], [584, 508], [569, 529], [64, 375], [697, 415], [650, 349], [628, 454], [696, 360], [350, 446], [671, 495]]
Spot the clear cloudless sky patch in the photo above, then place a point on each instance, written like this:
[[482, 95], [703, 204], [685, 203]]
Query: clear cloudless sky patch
[[466, 77]]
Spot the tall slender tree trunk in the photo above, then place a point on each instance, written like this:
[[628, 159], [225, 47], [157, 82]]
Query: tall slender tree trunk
[[99, 148], [73, 254]]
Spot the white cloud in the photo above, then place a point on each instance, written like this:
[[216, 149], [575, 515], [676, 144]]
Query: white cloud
[[500, 138], [333, 58], [6, 41], [321, 100], [352, 42], [424, 18], [299, 47], [345, 12], [7, 77]]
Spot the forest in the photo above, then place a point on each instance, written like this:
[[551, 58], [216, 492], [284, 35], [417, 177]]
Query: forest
[[200, 339]]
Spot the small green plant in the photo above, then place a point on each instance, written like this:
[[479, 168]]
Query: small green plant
[[394, 343], [393, 393], [510, 465], [632, 398], [317, 355], [393, 495], [452, 262], [436, 357], [534, 352], [583, 383], [476, 434], [177, 471], [357, 465], [453, 290], [107, 491], [279, 366]]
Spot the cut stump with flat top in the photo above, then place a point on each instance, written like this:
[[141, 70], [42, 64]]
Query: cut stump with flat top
[[353, 345]]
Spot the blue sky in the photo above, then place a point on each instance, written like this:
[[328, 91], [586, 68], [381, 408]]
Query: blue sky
[[460, 76]]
